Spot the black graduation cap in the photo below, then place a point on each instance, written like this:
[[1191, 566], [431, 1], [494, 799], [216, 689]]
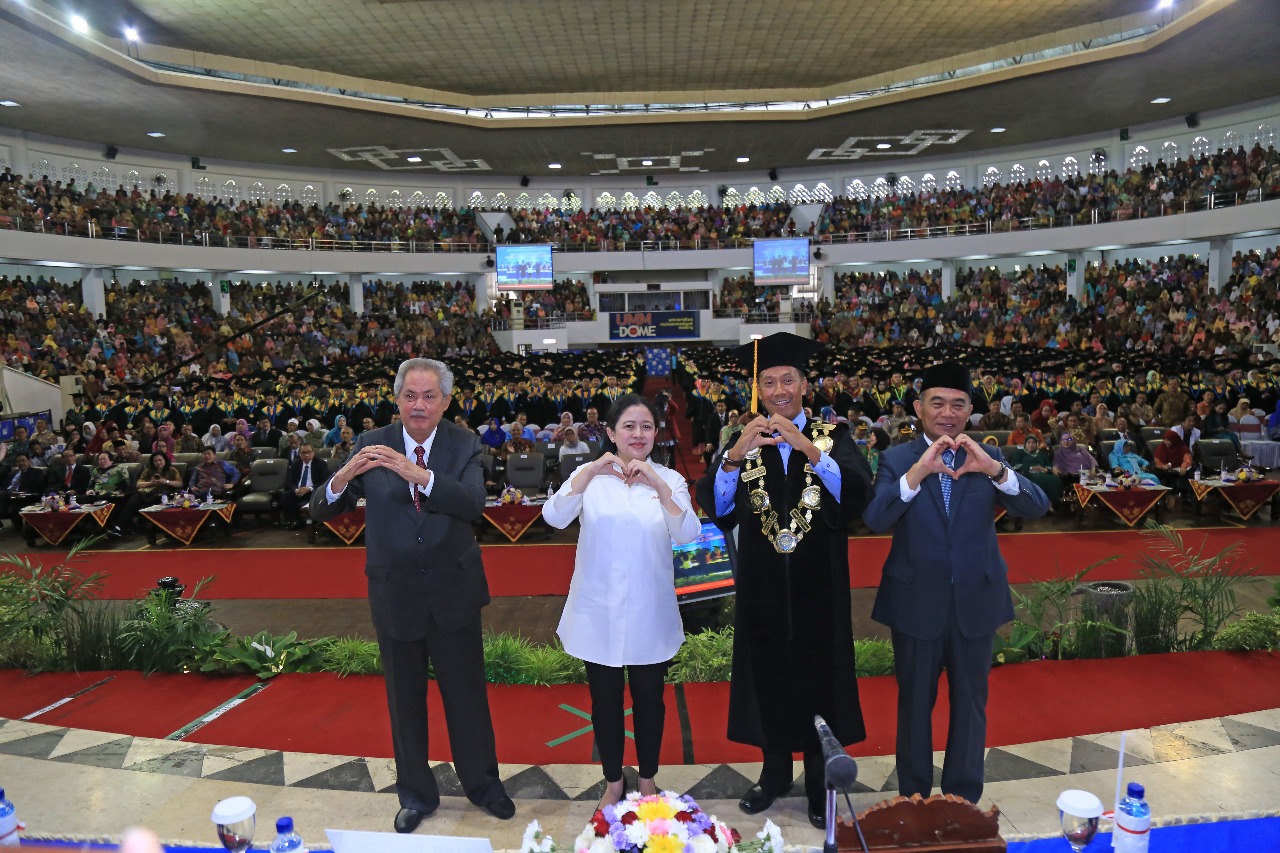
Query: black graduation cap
[[781, 349]]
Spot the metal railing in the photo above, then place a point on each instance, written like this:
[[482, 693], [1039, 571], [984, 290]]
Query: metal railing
[[162, 234]]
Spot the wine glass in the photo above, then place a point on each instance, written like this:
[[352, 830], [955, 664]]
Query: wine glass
[[1080, 813], [234, 818]]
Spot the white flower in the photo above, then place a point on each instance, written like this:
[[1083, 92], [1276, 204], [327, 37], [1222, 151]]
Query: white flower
[[704, 844], [534, 840], [771, 835], [601, 845], [638, 833], [582, 843]]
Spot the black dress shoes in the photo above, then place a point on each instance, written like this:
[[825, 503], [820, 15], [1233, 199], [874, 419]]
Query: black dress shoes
[[502, 808], [407, 820], [759, 798], [818, 816]]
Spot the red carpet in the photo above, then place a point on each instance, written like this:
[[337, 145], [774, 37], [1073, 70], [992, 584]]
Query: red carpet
[[1029, 702], [536, 569], [152, 707]]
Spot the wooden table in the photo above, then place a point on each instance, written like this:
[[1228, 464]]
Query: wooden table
[[184, 523], [56, 525], [1128, 505], [512, 519], [1245, 498]]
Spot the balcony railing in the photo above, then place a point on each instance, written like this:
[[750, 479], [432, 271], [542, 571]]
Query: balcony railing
[[164, 235]]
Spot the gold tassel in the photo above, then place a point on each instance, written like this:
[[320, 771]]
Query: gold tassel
[[755, 374]]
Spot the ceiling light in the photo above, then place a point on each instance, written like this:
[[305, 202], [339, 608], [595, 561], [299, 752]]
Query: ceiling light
[[1161, 100], [883, 145], [646, 162], [289, 150], [744, 159], [997, 130], [552, 166], [10, 104], [131, 33], [1165, 4], [79, 24], [414, 159], [155, 134]]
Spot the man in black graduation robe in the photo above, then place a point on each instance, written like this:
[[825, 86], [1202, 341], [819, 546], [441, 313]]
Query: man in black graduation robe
[[793, 631]]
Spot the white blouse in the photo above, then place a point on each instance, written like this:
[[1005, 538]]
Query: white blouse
[[622, 599]]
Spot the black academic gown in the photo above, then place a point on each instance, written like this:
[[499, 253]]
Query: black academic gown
[[793, 631]]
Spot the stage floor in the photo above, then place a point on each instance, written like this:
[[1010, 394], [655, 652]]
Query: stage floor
[[72, 782]]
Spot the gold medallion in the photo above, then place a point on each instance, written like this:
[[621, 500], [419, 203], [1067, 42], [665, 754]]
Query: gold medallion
[[811, 497], [759, 499], [786, 542], [753, 453], [824, 443]]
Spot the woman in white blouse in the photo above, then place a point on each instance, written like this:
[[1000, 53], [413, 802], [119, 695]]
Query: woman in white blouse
[[621, 615]]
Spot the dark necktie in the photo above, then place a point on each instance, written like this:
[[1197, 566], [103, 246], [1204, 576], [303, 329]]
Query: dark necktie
[[306, 475], [948, 459], [417, 500], [69, 472]]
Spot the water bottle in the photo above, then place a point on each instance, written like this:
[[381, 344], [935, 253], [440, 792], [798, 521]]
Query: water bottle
[[8, 823], [209, 497], [1133, 822], [288, 841]]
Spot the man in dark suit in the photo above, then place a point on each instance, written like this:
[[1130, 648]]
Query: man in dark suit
[[945, 587], [266, 435], [790, 485], [423, 485], [24, 487], [304, 474], [65, 474]]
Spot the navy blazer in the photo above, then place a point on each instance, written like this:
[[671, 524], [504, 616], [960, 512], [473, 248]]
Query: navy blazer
[[424, 561], [935, 556]]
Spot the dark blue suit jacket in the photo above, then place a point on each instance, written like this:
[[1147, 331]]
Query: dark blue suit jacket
[[935, 555]]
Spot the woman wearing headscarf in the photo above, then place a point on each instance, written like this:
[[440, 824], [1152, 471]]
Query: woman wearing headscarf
[[164, 442], [334, 437], [493, 437], [315, 434], [97, 436], [1124, 460], [1034, 462], [215, 439], [1070, 458], [242, 428], [1172, 461]]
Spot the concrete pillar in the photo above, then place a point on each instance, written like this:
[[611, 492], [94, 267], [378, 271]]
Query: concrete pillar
[[948, 275], [93, 293], [1220, 252], [355, 299], [483, 282], [1075, 275], [220, 292], [827, 283]]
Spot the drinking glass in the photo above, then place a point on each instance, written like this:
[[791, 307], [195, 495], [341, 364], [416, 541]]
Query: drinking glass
[[1080, 812], [235, 820]]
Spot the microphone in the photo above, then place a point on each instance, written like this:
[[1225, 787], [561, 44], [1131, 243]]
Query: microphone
[[841, 769]]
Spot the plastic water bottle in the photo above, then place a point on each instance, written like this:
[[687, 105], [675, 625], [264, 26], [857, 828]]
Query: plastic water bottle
[[8, 823], [1133, 822], [287, 841]]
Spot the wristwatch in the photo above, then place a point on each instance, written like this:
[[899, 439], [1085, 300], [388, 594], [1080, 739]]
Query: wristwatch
[[1004, 472], [728, 464]]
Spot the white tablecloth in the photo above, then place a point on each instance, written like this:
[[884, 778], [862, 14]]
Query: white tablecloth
[[1265, 453]]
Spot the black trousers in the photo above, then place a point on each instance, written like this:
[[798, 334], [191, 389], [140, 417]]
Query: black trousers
[[458, 658], [776, 774], [648, 711], [918, 665]]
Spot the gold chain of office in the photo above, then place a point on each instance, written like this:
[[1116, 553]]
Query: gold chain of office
[[786, 539]]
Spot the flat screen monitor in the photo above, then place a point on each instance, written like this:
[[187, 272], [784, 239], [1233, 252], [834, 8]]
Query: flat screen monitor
[[783, 261], [704, 567], [524, 268]]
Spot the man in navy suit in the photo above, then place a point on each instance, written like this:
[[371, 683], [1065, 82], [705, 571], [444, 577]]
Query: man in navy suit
[[945, 588]]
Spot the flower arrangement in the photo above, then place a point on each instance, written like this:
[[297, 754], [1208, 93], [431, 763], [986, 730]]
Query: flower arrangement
[[664, 823], [511, 495], [184, 500], [1127, 480], [1247, 474], [54, 502]]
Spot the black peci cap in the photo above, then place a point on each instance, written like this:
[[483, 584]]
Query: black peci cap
[[947, 374], [781, 349]]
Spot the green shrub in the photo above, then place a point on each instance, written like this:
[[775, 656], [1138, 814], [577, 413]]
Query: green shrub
[[874, 657], [1273, 600], [706, 656], [266, 655], [547, 665], [352, 656], [92, 638], [169, 634], [37, 607], [504, 658], [1252, 632]]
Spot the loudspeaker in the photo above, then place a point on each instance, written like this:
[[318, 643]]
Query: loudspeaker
[[773, 174], [488, 262], [195, 164], [1124, 134], [1193, 119], [817, 254], [111, 152], [649, 181], [524, 181]]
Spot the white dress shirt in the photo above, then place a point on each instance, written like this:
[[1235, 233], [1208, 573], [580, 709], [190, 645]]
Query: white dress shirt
[[622, 605], [409, 445]]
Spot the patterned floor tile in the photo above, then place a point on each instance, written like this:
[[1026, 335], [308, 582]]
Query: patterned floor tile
[[220, 758], [1247, 736], [1137, 744], [447, 780], [1087, 756], [267, 770], [304, 765], [1208, 732], [110, 755], [1269, 719], [533, 784], [722, 783], [38, 745], [18, 729], [890, 785], [1003, 766], [1170, 746], [188, 761], [78, 739], [1055, 754], [383, 773], [351, 776]]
